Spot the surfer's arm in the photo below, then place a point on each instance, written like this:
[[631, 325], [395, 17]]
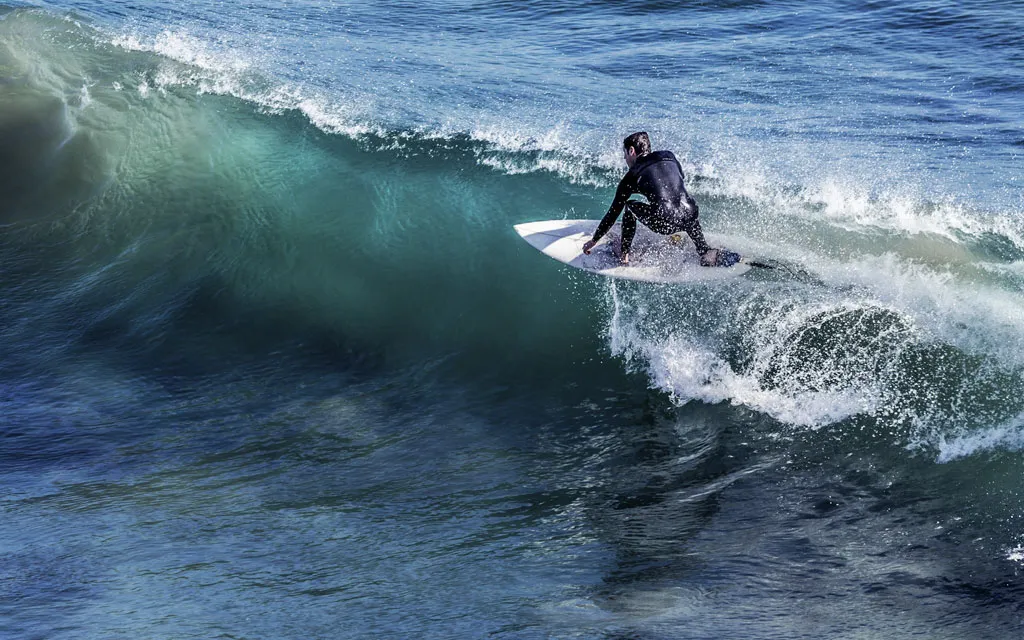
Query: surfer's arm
[[621, 195]]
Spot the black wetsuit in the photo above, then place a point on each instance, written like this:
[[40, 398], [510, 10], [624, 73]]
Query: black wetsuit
[[657, 176]]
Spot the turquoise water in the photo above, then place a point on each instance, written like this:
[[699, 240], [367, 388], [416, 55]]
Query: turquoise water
[[275, 364]]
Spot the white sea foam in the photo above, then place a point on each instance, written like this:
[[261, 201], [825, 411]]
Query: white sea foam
[[775, 381], [187, 49], [508, 138], [225, 72], [813, 356], [688, 372], [84, 98], [901, 210], [561, 165], [1009, 436], [1015, 554], [975, 317]]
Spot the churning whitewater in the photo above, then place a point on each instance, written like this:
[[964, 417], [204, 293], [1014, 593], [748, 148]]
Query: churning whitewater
[[276, 364]]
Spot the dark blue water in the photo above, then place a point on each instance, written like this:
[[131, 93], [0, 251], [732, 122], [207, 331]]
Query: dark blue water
[[274, 364]]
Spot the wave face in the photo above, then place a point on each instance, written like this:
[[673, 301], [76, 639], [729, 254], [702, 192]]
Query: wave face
[[259, 274]]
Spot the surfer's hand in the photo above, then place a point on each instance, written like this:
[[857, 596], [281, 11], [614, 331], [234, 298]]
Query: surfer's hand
[[588, 246]]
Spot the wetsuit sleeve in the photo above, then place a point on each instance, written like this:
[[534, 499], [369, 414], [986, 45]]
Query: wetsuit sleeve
[[621, 195]]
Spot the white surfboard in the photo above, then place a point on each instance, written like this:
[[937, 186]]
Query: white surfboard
[[653, 257]]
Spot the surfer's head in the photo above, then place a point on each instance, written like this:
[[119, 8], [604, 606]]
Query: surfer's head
[[634, 146]]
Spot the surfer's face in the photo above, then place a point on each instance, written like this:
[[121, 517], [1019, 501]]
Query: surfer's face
[[630, 155]]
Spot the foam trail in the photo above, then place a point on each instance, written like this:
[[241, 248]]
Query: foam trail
[[777, 380], [1009, 436]]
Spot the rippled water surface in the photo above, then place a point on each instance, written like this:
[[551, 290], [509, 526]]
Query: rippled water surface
[[274, 363]]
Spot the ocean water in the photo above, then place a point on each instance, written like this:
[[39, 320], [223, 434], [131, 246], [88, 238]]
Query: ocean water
[[274, 363]]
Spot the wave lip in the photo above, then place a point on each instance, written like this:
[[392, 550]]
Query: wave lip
[[513, 143], [212, 70]]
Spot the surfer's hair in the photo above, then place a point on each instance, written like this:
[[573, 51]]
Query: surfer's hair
[[639, 141]]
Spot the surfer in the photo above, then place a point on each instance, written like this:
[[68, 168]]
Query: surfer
[[657, 176]]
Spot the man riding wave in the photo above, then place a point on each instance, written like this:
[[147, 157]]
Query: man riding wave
[[657, 176]]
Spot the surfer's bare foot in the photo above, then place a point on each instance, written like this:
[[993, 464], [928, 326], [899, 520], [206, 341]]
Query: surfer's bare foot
[[624, 260], [588, 246], [709, 258]]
